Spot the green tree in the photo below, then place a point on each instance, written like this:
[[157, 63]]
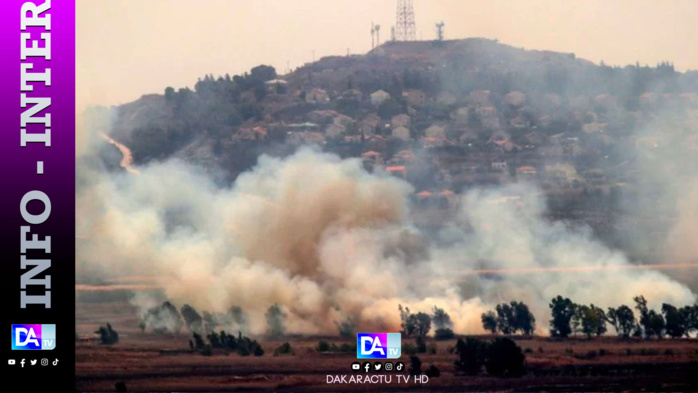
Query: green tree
[[505, 358], [562, 311], [406, 321], [505, 318], [523, 318], [192, 318], [489, 322], [275, 321], [652, 323], [593, 320], [421, 323], [622, 319], [472, 354], [690, 314], [442, 324], [675, 321], [107, 335]]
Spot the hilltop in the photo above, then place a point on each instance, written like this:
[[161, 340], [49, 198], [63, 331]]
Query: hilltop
[[446, 116]]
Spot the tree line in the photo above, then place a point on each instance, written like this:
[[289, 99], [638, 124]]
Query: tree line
[[569, 318]]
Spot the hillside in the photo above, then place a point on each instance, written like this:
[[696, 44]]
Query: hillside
[[446, 116]]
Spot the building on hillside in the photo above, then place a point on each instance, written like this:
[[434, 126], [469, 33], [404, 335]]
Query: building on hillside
[[351, 95], [515, 98], [526, 171], [250, 134], [276, 86], [317, 96], [335, 130], [437, 141], [500, 166], [397, 171], [369, 124], [402, 133], [401, 120], [414, 97], [435, 131], [461, 115], [446, 98], [376, 143], [378, 97], [305, 138], [480, 97]]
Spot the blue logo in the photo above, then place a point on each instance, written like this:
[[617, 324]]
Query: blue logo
[[378, 345], [33, 337]]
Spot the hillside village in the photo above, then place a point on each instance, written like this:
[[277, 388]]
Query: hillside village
[[446, 116]]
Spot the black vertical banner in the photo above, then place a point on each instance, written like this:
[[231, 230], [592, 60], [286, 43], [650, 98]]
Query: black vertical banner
[[37, 203]]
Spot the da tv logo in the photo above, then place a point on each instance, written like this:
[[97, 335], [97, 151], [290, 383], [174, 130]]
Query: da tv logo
[[33, 337], [378, 345]]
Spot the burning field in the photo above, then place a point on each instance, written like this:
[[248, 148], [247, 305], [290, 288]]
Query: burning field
[[148, 362]]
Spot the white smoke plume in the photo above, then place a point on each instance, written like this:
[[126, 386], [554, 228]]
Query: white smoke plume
[[327, 240]]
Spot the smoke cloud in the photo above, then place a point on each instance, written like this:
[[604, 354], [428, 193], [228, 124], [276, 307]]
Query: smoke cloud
[[327, 241]]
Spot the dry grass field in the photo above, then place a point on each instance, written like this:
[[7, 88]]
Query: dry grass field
[[146, 362]]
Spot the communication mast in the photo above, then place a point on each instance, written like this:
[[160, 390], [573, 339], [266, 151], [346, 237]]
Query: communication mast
[[378, 35], [373, 36], [405, 26], [440, 31]]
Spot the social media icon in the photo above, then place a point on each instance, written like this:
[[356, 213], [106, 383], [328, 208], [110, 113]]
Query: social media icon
[[399, 366], [33, 362], [378, 345], [367, 366], [55, 362], [11, 362], [377, 366], [44, 362], [388, 366], [33, 337], [22, 363], [356, 366]]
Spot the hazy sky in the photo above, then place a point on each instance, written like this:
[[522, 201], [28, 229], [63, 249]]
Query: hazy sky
[[126, 48]]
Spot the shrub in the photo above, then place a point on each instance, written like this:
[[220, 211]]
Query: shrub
[[409, 348], [432, 349], [347, 328], [432, 372], [258, 350], [283, 349], [421, 344], [347, 348], [505, 358], [206, 350], [416, 365], [471, 355], [275, 321], [528, 350], [323, 346], [589, 355], [444, 334], [107, 335]]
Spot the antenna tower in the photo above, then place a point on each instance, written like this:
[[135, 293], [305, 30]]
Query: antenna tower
[[405, 30], [373, 36]]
